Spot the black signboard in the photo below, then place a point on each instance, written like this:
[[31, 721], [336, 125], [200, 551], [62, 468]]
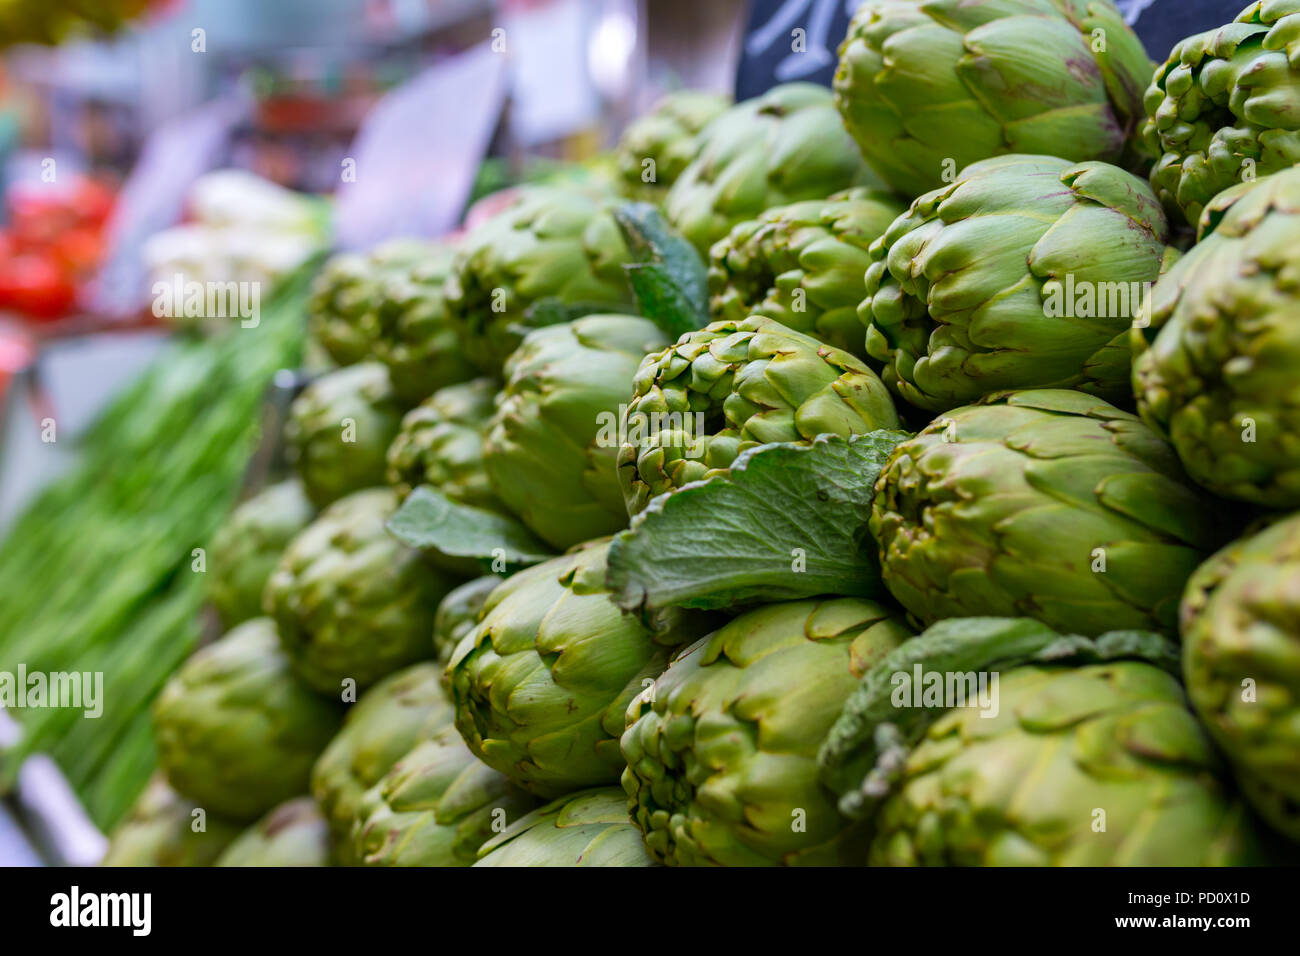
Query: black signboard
[[788, 40]]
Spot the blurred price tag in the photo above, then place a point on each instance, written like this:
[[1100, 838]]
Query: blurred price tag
[[414, 160]]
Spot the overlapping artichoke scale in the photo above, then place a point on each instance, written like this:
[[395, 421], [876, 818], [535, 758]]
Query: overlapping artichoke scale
[[587, 828], [1005, 509], [958, 295], [802, 265], [435, 807], [1026, 787], [785, 146], [351, 601], [753, 382], [721, 753], [441, 444], [382, 726], [542, 683], [550, 244], [924, 85], [1216, 370], [1223, 105], [338, 431], [550, 453], [236, 732], [1241, 661]]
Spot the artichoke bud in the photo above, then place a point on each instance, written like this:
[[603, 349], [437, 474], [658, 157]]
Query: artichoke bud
[[732, 386]]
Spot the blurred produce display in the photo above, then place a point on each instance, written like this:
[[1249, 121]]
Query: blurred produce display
[[51, 246], [32, 21], [241, 230], [98, 571]]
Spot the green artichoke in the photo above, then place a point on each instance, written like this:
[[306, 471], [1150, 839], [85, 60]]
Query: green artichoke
[[655, 148], [346, 290], [237, 733], [1027, 272], [435, 807], [552, 447], [927, 88], [160, 830], [998, 742], [441, 444], [339, 429], [802, 265], [383, 725], [782, 147], [410, 331], [248, 545], [721, 752], [459, 612], [552, 246], [733, 386], [1241, 661], [1222, 107], [541, 684], [293, 834], [587, 828], [1216, 368], [1048, 504], [351, 601]]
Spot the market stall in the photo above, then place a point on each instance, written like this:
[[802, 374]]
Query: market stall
[[570, 434]]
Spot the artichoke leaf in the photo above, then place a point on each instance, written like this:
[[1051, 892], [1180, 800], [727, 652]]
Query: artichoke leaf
[[431, 521], [789, 522]]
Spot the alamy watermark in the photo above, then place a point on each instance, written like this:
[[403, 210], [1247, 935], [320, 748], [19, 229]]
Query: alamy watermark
[[75, 690], [945, 689], [1069, 298], [181, 299]]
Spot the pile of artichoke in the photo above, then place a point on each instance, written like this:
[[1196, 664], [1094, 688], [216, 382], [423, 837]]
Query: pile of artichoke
[[948, 314]]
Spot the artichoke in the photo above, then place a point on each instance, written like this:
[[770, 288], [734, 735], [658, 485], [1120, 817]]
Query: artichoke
[[248, 545], [1216, 369], [929, 87], [237, 733], [587, 828], [346, 290], [721, 751], [998, 742], [655, 148], [293, 834], [1241, 661], [1027, 272], [459, 612], [410, 331], [551, 246], [160, 830], [351, 601], [339, 429], [802, 265], [380, 728], [541, 684], [1221, 109], [1048, 504], [733, 386], [551, 451], [435, 807], [441, 444], [782, 147]]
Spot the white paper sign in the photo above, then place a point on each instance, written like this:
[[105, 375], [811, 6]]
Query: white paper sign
[[417, 153]]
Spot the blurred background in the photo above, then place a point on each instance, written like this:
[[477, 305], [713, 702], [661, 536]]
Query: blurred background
[[103, 135]]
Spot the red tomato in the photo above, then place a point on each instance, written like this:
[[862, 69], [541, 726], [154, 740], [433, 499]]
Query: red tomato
[[79, 250], [36, 287]]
